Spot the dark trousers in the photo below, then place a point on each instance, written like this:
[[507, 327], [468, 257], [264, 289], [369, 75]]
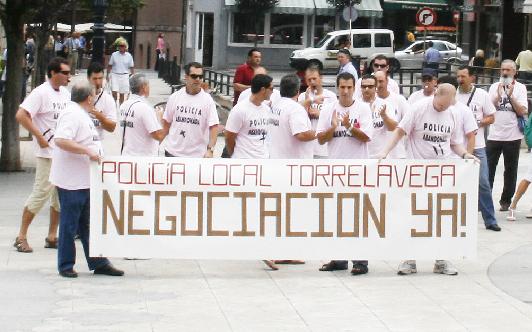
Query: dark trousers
[[74, 219], [510, 151]]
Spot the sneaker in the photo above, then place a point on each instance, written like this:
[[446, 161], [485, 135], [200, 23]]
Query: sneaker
[[511, 215], [109, 270], [444, 267], [529, 215], [407, 267]]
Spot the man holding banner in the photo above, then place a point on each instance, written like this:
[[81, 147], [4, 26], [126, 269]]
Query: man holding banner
[[430, 127]]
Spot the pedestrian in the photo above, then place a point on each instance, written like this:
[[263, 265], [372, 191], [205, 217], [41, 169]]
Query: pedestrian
[[291, 134], [314, 100], [38, 114], [346, 66], [82, 44], [73, 54], [510, 100], [58, 46], [190, 119], [245, 72], [347, 127], [103, 114], [120, 66], [524, 62], [141, 125], [439, 143], [77, 145], [432, 58], [429, 82], [276, 95], [521, 190], [479, 103], [160, 50], [379, 63]]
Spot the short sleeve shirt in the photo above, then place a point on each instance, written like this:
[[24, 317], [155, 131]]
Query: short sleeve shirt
[[417, 96], [465, 122], [106, 105], [190, 118], [121, 62], [243, 75], [44, 104], [481, 107], [505, 126]]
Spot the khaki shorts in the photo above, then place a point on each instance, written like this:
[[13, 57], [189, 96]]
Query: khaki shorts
[[42, 190]]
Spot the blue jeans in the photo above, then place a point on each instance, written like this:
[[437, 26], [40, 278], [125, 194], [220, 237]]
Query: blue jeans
[[485, 199], [74, 219]]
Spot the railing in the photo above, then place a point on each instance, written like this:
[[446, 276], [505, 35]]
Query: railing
[[221, 81], [170, 72]]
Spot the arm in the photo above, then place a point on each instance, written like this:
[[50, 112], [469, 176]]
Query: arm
[[239, 77], [106, 123], [230, 139], [461, 151], [74, 147], [306, 136], [355, 132], [397, 134], [166, 127], [486, 121], [158, 135], [213, 137], [470, 137], [390, 123], [23, 117]]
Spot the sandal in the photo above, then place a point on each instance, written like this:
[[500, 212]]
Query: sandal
[[271, 265], [52, 244], [22, 245], [289, 261]]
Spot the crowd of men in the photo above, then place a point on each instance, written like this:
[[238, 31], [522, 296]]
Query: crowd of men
[[367, 118]]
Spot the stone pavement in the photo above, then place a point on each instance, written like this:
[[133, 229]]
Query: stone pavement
[[491, 293]]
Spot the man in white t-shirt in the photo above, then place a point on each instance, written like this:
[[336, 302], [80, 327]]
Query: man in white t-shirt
[[38, 114], [246, 129], [77, 144], [103, 113], [430, 127], [244, 95], [313, 100], [347, 127], [479, 104], [190, 119], [380, 63], [120, 66], [429, 82], [141, 125], [510, 100]]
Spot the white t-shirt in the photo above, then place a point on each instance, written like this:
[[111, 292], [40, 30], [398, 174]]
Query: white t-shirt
[[190, 118], [343, 145], [381, 134], [138, 119], [276, 95], [430, 133], [417, 96], [106, 105], [465, 122], [392, 87], [505, 126], [396, 107], [71, 171], [481, 107], [44, 105], [329, 97], [121, 62], [293, 119], [250, 123]]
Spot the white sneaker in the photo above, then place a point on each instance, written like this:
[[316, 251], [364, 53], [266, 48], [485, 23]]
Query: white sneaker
[[444, 267], [529, 215], [511, 215], [407, 267]]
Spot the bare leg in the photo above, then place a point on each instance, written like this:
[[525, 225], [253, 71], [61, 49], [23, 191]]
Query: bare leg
[[122, 97], [521, 189], [27, 218], [115, 95], [54, 223]]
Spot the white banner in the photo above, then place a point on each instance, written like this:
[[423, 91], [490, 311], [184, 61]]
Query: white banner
[[284, 209]]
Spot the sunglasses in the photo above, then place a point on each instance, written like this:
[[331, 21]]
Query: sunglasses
[[121, 45], [367, 86], [376, 65], [196, 76]]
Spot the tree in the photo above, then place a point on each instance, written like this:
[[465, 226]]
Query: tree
[[255, 8]]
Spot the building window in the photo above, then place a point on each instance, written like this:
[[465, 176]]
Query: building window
[[246, 29], [322, 26], [286, 29]]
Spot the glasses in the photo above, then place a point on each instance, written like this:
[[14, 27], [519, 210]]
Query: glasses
[[376, 65], [367, 86], [121, 45], [196, 76]]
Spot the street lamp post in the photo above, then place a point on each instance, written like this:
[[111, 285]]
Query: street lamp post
[[98, 40]]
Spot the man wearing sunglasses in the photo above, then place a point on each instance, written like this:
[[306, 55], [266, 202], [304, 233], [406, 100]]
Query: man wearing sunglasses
[[429, 80], [190, 120], [38, 114], [120, 66], [380, 63]]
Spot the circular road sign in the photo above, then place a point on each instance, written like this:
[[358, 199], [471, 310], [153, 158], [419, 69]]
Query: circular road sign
[[350, 14], [426, 17]]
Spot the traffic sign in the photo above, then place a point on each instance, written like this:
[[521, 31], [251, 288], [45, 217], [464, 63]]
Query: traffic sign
[[426, 17], [350, 14]]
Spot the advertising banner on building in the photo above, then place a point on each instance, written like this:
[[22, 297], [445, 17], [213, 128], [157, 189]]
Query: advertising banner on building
[[284, 209]]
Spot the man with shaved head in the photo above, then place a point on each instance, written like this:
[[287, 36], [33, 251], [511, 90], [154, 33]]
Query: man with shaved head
[[430, 127]]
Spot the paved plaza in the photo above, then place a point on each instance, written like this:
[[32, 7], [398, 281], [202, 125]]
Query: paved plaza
[[491, 293]]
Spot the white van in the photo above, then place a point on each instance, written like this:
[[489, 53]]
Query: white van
[[365, 44]]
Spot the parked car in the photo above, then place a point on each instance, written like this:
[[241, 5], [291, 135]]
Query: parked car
[[412, 56], [366, 43]]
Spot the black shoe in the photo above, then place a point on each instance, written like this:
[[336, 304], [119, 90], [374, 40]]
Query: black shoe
[[359, 269], [109, 270], [504, 207], [493, 227], [332, 266], [68, 273]]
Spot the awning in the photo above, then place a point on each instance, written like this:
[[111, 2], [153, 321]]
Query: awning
[[367, 8], [527, 7], [415, 4]]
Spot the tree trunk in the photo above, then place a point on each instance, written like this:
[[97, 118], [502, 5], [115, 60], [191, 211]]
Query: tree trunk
[[42, 56], [14, 27]]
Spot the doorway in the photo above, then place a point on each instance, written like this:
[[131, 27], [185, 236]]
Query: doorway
[[204, 38]]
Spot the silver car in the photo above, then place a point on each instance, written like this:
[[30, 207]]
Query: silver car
[[412, 56]]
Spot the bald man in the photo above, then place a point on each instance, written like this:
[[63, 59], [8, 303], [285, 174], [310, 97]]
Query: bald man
[[430, 127]]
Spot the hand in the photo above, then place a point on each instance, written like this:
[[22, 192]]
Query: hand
[[43, 143], [93, 111], [318, 99], [510, 90], [500, 91], [208, 154], [94, 156], [159, 112], [380, 156], [345, 121], [314, 113], [382, 111], [334, 121], [468, 155]]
